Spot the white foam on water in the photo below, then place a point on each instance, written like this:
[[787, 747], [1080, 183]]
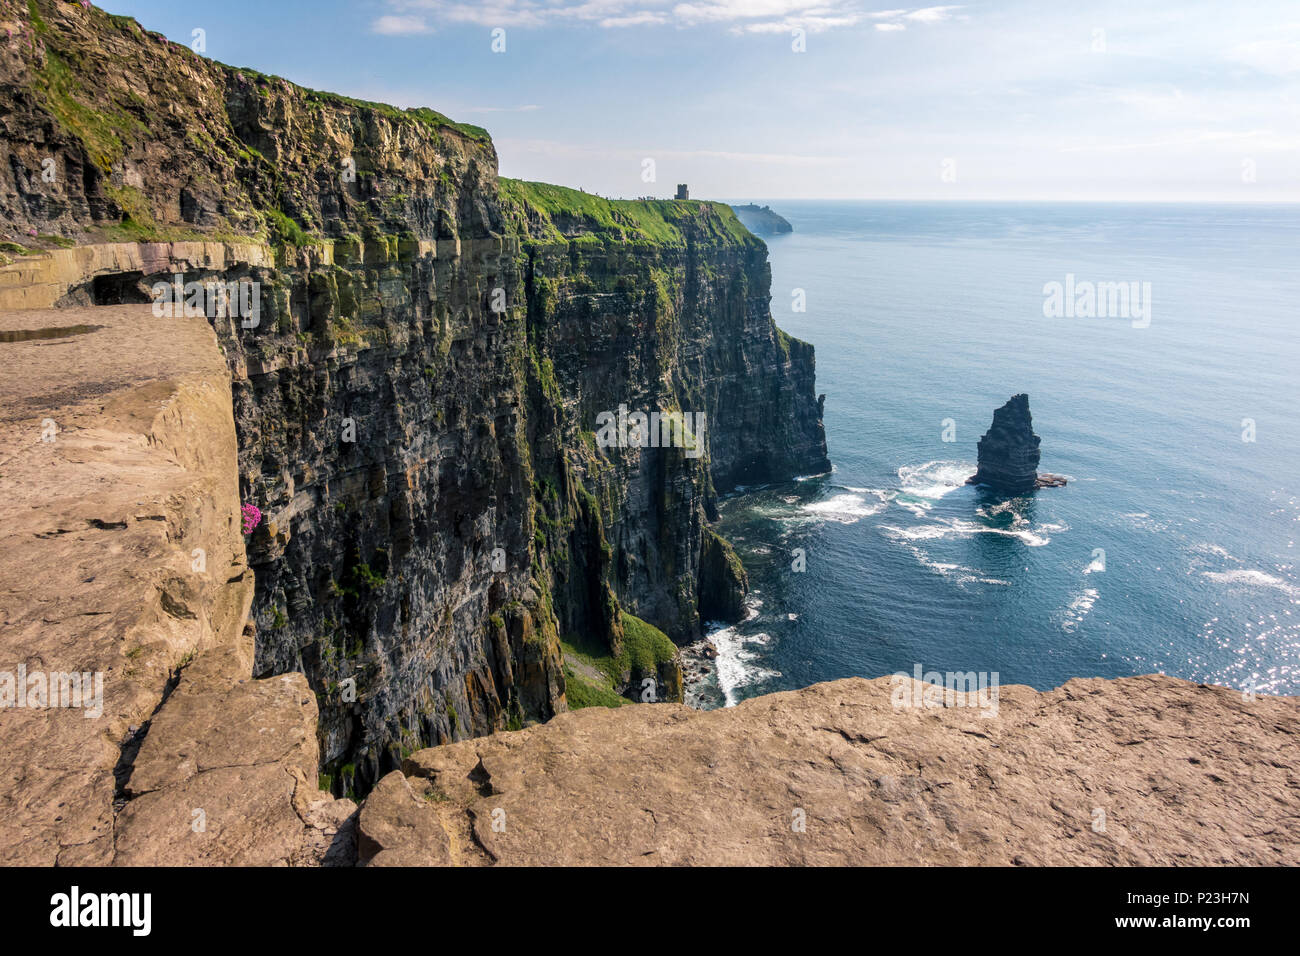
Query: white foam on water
[[1215, 550], [1078, 609], [918, 507], [846, 508], [1020, 529], [822, 474], [920, 486], [1254, 578], [1142, 521], [958, 573], [1098, 564], [1001, 507], [736, 665], [934, 479], [925, 532]]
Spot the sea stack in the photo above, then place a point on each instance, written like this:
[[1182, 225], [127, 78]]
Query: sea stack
[[1008, 453]]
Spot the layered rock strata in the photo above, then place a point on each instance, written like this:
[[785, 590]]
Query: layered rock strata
[[1008, 453]]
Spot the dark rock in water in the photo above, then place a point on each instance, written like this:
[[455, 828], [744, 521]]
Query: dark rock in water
[[1008, 453], [723, 581]]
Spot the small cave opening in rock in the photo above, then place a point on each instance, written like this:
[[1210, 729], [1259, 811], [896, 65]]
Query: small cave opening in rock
[[119, 288]]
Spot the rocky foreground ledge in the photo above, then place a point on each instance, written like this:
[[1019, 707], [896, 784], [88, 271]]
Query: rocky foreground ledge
[[1134, 771], [121, 559]]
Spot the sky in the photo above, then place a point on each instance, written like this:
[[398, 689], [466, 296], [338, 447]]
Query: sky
[[1168, 100]]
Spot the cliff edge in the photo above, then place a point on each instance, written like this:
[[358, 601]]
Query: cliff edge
[[1133, 771], [132, 730]]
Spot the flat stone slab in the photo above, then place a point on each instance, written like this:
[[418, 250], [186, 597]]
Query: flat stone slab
[[122, 557], [1135, 771]]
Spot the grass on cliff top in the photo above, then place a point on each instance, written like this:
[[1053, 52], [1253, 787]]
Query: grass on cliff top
[[583, 690], [592, 673], [544, 211]]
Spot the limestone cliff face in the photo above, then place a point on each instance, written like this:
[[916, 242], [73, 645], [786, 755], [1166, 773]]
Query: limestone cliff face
[[681, 323], [416, 406]]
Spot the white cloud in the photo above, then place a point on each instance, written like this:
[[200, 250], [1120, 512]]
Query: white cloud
[[394, 25], [931, 14], [740, 16], [1279, 57], [891, 18], [644, 18]]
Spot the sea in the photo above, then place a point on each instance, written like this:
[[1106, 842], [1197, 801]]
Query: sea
[[1177, 422]]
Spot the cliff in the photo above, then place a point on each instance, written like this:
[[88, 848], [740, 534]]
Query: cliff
[[1139, 771], [417, 403], [762, 220]]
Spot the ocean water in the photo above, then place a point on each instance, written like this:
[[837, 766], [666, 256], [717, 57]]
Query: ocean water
[[1172, 549]]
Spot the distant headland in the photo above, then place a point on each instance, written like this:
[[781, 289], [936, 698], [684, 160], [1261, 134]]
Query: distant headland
[[761, 220]]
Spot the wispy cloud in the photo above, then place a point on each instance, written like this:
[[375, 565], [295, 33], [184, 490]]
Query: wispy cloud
[[644, 18], [395, 25], [1256, 140], [738, 16], [931, 14], [891, 21]]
